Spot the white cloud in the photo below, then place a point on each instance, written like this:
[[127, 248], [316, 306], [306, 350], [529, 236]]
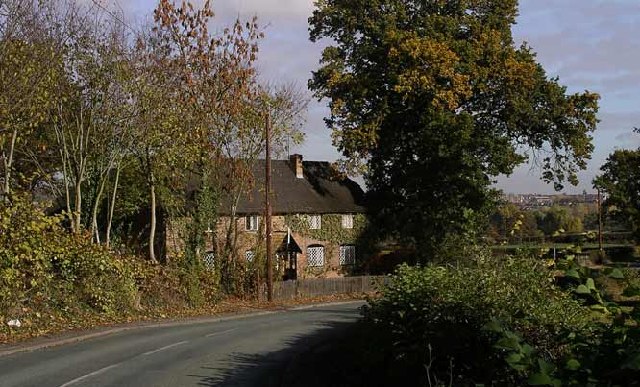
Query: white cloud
[[629, 140], [269, 10]]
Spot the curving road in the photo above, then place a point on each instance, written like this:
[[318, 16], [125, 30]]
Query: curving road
[[257, 350]]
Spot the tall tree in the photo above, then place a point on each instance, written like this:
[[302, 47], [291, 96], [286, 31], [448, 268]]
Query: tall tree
[[208, 83], [29, 69], [157, 140], [435, 100], [620, 181], [91, 122]]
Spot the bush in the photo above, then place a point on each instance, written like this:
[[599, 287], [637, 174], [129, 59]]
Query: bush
[[506, 321], [40, 261], [487, 321], [52, 279]]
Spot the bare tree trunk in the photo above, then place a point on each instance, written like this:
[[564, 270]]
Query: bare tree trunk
[[64, 159], [112, 205], [152, 231], [78, 205], [96, 231], [94, 210], [8, 163], [231, 240]]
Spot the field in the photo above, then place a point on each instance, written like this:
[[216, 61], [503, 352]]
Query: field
[[616, 252]]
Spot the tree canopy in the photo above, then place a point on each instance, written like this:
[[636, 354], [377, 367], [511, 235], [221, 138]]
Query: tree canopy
[[620, 180], [111, 121], [434, 99]]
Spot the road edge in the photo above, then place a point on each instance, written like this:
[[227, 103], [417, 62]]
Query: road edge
[[57, 341]]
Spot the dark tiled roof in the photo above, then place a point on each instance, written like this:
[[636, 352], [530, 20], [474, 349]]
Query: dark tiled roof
[[321, 191]]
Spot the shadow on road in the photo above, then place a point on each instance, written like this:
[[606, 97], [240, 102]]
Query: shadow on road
[[336, 312], [301, 363]]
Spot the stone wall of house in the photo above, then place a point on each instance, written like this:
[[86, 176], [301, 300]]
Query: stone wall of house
[[254, 240], [331, 268], [247, 239]]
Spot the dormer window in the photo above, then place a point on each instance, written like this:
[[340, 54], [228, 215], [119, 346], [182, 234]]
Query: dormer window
[[315, 222], [347, 221], [252, 222]]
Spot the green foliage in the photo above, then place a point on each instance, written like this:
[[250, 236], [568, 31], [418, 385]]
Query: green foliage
[[509, 322], [29, 69], [510, 224], [331, 229], [437, 100], [494, 317], [200, 219], [39, 260], [620, 180], [50, 276]]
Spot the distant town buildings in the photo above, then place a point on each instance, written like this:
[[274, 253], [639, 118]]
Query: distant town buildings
[[537, 201]]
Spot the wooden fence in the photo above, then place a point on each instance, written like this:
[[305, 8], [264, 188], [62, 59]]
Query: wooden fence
[[286, 290]]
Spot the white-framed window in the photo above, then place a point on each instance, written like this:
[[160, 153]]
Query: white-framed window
[[315, 256], [347, 255], [209, 260], [251, 222], [250, 255], [347, 221], [315, 222]]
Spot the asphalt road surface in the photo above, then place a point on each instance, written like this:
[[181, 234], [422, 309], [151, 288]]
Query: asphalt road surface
[[262, 350]]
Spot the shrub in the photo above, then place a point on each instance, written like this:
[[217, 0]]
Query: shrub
[[53, 279], [487, 321], [40, 260]]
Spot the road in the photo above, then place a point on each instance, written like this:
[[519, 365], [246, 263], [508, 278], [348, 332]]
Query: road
[[260, 350]]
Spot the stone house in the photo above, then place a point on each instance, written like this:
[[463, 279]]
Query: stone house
[[318, 217]]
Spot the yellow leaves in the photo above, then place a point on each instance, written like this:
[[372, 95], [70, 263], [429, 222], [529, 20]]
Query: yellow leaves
[[394, 53], [337, 106], [431, 68], [518, 73], [27, 74], [336, 79]]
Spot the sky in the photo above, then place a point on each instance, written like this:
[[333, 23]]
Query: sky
[[589, 44]]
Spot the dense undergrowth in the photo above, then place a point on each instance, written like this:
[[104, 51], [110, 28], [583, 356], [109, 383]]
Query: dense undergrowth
[[509, 321], [52, 280]]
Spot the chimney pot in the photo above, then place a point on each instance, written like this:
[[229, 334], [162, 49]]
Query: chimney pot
[[296, 164]]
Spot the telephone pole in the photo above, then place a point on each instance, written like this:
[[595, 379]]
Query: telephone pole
[[268, 207], [600, 227]]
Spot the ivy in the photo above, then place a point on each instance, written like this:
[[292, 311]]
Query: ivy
[[203, 217], [331, 229]]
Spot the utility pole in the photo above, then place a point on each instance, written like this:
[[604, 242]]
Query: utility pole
[[267, 201], [600, 244]]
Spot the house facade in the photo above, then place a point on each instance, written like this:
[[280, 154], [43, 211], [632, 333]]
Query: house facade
[[318, 218]]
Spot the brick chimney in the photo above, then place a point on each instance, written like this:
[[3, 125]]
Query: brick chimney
[[296, 165]]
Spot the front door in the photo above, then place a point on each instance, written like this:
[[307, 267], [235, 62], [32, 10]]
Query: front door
[[291, 268]]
